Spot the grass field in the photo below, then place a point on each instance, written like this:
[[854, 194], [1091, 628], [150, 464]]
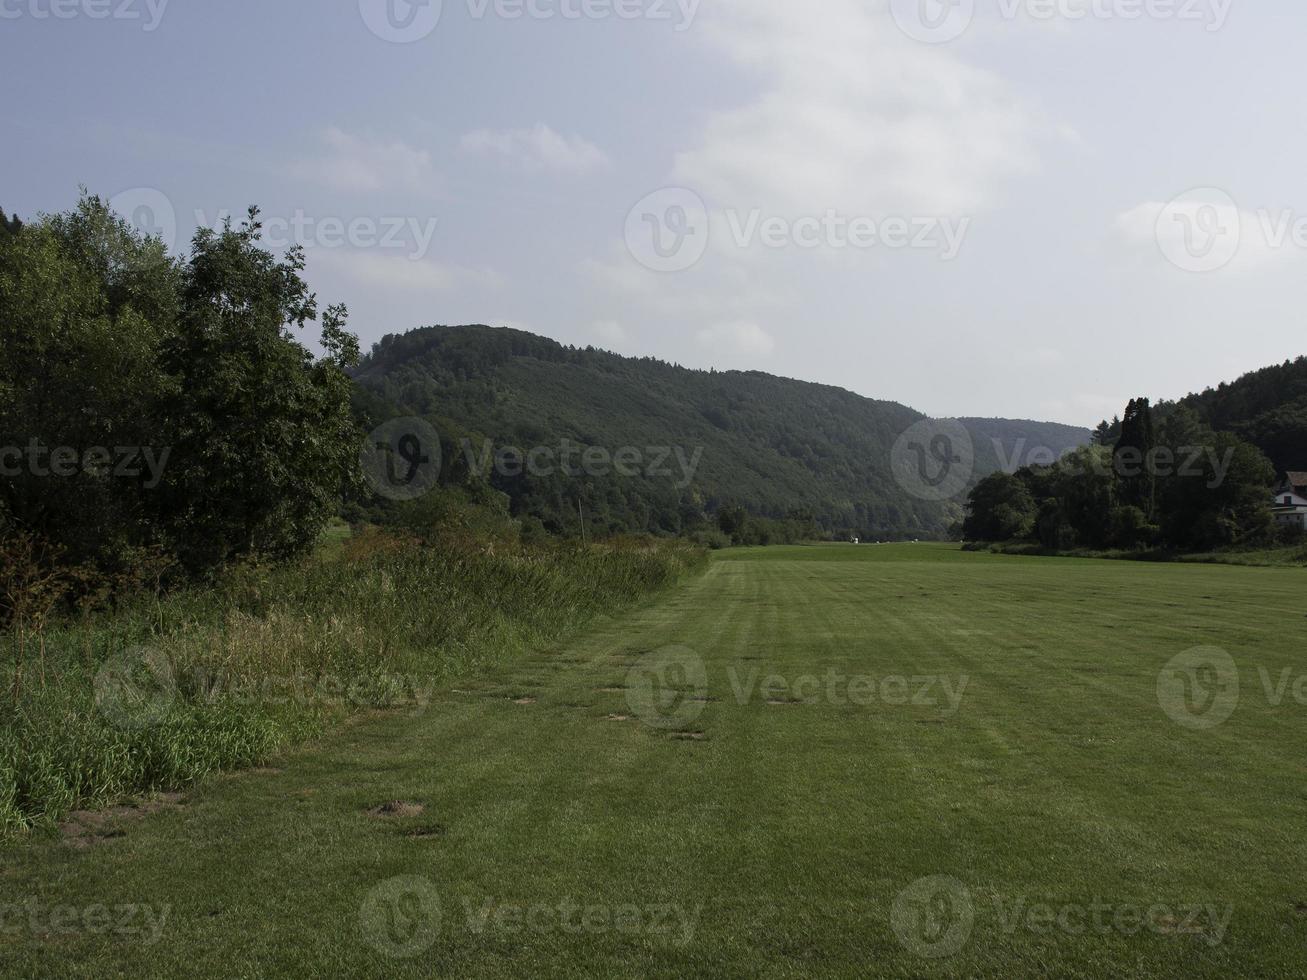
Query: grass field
[[893, 760]]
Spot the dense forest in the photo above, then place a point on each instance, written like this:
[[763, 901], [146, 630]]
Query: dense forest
[[1153, 480], [783, 457], [1267, 408]]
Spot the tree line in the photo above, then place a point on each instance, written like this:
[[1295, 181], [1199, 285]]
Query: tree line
[[1172, 483]]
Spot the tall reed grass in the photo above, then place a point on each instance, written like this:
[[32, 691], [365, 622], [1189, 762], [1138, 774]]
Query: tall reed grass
[[166, 691]]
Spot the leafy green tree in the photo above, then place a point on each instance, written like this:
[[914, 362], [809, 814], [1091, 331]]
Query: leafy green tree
[[9, 225], [152, 408], [81, 327], [1221, 498], [261, 431], [1000, 508], [1134, 458]]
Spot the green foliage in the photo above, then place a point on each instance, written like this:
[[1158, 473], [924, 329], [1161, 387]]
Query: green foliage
[[235, 441], [1180, 486], [261, 432], [1136, 484], [1001, 508], [1267, 408], [9, 225], [787, 453]]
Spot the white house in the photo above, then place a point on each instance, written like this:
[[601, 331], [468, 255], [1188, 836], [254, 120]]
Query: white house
[[1291, 500]]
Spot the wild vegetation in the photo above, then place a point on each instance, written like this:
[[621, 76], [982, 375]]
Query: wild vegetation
[[219, 676]]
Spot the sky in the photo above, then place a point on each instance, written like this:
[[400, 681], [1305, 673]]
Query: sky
[[1010, 208]]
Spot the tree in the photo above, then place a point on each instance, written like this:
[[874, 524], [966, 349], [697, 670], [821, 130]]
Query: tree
[[261, 431], [1133, 458], [9, 226], [160, 408], [81, 326], [1220, 497], [1000, 508]]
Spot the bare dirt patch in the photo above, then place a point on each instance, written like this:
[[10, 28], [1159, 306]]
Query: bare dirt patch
[[618, 718], [524, 702], [84, 829]]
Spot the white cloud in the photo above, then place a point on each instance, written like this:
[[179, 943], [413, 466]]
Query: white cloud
[[853, 115], [611, 332], [536, 149], [397, 272], [737, 337], [356, 163], [1203, 231]]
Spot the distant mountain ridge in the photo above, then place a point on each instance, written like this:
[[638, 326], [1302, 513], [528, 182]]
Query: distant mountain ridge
[[777, 447]]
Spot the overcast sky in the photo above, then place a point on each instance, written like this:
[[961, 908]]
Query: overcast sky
[[1032, 208]]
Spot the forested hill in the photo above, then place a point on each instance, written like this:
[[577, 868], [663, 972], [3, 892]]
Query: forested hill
[[1267, 407], [776, 447]]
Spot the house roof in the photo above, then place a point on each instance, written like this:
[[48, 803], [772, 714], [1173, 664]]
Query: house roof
[[1296, 480]]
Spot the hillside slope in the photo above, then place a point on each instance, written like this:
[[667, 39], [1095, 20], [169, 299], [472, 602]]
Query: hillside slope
[[1267, 407], [777, 447]]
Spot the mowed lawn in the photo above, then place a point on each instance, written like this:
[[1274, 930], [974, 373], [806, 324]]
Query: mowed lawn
[[839, 761]]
